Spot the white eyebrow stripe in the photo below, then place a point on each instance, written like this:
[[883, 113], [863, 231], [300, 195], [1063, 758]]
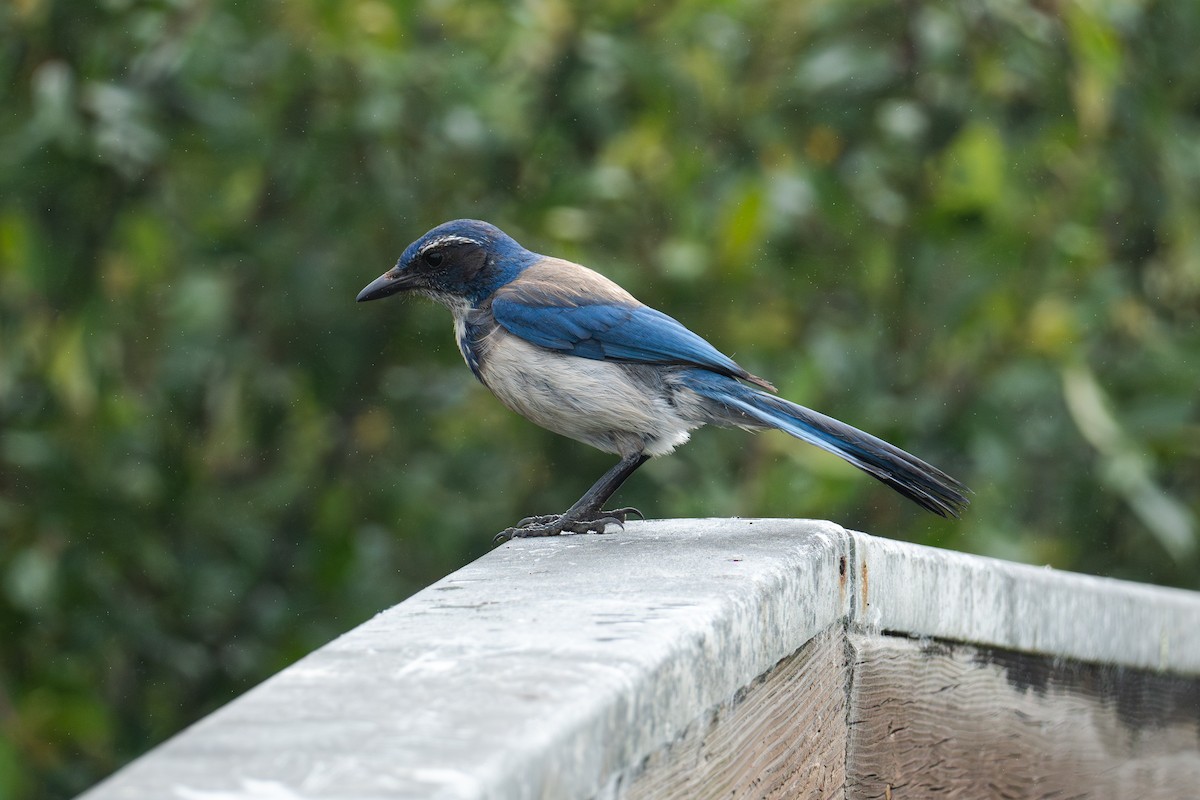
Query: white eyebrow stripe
[[441, 240]]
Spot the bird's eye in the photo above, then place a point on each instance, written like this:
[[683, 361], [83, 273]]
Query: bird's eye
[[433, 259]]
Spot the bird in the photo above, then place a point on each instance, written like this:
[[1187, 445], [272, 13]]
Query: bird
[[574, 352]]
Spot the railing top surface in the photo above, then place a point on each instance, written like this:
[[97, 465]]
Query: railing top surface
[[546, 665]]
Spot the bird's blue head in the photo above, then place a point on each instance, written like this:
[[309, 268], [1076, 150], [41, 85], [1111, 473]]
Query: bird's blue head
[[461, 261]]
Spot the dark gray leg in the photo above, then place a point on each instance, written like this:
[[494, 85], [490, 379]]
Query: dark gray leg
[[586, 515]]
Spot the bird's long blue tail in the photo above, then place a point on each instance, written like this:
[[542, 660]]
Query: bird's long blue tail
[[920, 482]]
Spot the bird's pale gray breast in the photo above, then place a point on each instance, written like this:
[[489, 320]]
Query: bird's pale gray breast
[[617, 408]]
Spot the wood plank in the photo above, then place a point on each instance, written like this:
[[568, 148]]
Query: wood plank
[[928, 719], [784, 735]]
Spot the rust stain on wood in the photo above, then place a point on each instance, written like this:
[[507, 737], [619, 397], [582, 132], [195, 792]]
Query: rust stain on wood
[[842, 570]]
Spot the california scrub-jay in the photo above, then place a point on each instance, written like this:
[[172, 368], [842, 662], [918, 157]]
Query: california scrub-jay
[[572, 351]]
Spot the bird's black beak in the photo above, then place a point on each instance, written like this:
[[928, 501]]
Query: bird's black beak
[[390, 282]]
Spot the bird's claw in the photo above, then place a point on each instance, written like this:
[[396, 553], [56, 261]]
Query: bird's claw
[[555, 524], [554, 527], [538, 519], [620, 514]]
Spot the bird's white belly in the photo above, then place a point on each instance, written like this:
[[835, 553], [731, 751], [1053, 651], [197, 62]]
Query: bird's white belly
[[596, 402]]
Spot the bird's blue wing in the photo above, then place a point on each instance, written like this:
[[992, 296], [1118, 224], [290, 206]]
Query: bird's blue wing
[[604, 326], [610, 332]]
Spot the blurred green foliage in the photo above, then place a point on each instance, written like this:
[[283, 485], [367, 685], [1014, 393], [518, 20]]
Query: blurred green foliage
[[973, 230]]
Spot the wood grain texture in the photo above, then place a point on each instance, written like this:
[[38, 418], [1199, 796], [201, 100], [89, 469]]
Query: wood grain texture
[[931, 720], [784, 735]]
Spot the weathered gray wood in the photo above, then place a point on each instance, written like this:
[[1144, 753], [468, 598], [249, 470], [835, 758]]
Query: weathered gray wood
[[542, 670], [876, 716], [601, 666], [929, 720], [923, 591], [782, 736]]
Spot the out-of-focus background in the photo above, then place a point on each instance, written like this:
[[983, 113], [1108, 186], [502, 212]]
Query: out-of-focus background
[[973, 231]]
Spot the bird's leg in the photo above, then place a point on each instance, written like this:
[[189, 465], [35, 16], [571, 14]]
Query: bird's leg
[[586, 516]]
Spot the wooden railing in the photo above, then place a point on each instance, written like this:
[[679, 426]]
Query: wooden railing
[[721, 658]]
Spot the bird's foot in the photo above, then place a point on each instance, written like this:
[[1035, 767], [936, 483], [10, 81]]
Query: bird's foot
[[555, 524], [620, 514]]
